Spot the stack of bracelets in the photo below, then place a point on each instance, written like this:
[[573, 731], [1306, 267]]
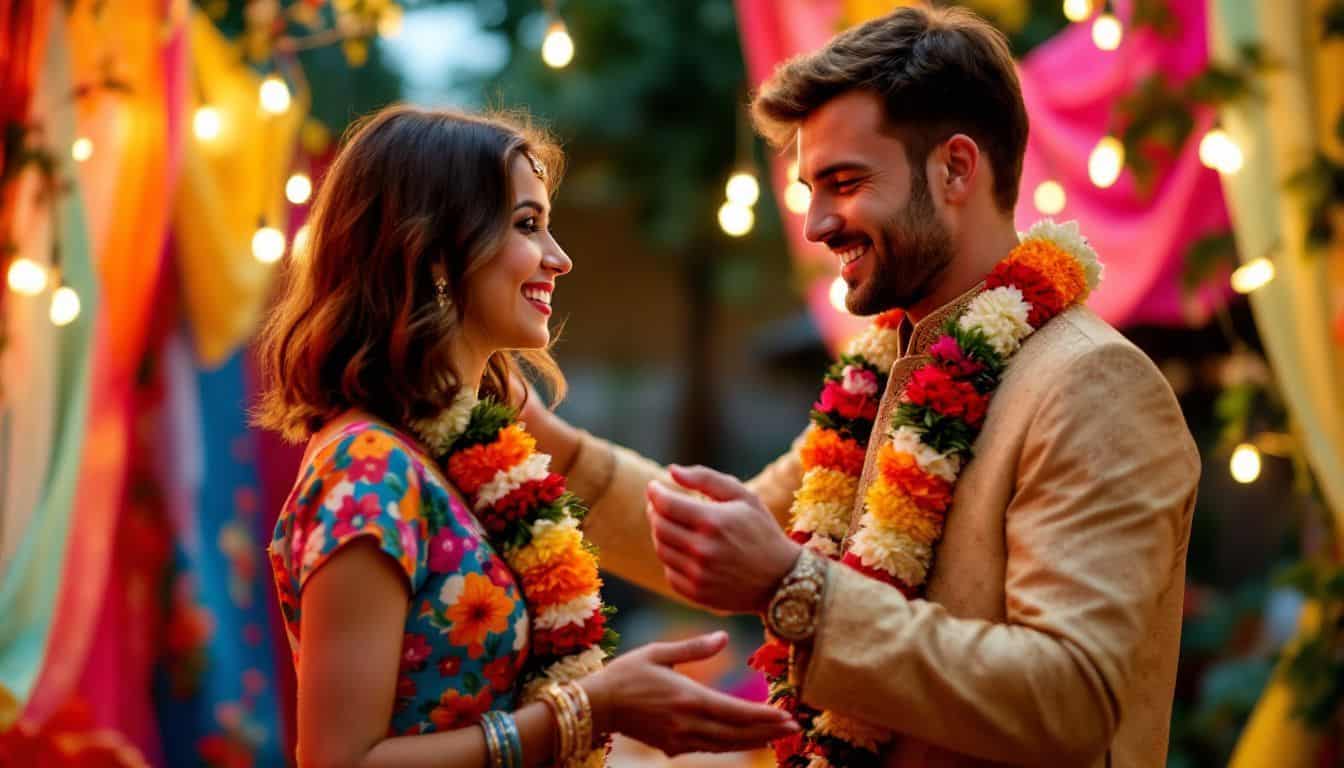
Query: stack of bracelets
[[574, 720]]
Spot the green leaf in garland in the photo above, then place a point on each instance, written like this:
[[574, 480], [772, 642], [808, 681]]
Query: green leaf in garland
[[853, 429], [487, 419], [943, 434]]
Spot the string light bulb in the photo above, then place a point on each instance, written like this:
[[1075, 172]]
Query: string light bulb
[[1253, 275], [206, 123], [300, 245], [1077, 10], [1049, 197], [839, 290], [64, 306], [268, 245], [557, 50], [1218, 151], [1245, 464], [1107, 33], [743, 189], [797, 197], [27, 277], [81, 149], [1106, 162], [299, 188], [274, 95], [736, 219]]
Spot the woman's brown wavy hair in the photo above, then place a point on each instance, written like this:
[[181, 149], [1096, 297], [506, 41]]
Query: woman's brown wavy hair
[[356, 324]]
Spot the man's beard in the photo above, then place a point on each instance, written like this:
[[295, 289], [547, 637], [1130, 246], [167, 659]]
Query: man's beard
[[914, 252]]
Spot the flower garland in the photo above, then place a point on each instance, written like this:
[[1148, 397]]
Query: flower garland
[[926, 445], [533, 521]]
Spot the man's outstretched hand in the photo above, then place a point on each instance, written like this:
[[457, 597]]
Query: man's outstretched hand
[[726, 553]]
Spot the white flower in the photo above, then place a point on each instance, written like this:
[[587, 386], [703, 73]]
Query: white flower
[[505, 481], [830, 519], [824, 546], [1069, 238], [891, 551], [859, 381], [520, 631], [1001, 315], [879, 346], [338, 494], [452, 589], [575, 611], [312, 548], [943, 465], [543, 526], [441, 431]]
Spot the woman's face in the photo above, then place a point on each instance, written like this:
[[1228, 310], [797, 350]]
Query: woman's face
[[509, 296]]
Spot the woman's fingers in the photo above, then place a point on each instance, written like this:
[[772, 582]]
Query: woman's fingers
[[691, 649]]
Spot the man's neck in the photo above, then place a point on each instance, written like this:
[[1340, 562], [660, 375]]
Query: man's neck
[[975, 257]]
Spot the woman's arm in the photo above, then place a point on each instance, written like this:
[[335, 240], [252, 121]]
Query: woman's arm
[[353, 615]]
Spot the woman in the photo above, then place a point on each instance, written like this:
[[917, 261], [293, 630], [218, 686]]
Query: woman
[[440, 604]]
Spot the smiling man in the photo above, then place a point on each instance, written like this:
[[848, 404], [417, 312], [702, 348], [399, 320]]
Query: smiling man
[[1012, 552]]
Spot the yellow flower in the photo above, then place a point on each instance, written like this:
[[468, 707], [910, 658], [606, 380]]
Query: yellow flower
[[550, 542], [893, 509], [822, 485]]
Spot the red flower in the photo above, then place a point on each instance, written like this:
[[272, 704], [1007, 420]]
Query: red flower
[[570, 638], [802, 537], [450, 666], [501, 673], [834, 399], [414, 652], [771, 659], [355, 516], [787, 747], [522, 500], [1036, 289], [934, 387]]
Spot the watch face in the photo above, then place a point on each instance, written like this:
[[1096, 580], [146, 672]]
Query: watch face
[[793, 615]]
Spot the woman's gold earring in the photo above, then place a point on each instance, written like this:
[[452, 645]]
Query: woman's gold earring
[[441, 291]]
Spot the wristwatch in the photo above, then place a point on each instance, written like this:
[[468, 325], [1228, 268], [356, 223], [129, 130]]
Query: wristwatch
[[792, 613]]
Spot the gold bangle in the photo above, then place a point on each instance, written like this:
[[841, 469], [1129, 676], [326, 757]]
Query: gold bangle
[[579, 698], [565, 720]]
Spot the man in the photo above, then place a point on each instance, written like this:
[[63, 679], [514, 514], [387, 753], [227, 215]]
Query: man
[[1049, 629]]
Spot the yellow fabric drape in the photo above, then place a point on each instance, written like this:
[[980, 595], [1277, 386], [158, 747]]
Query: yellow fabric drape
[[229, 186], [1303, 96]]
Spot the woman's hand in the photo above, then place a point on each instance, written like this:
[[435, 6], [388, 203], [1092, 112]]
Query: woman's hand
[[640, 695]]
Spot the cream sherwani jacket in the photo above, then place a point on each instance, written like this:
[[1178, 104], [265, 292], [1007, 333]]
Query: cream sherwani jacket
[[1051, 627]]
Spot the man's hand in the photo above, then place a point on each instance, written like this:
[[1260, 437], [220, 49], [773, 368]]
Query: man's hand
[[727, 553]]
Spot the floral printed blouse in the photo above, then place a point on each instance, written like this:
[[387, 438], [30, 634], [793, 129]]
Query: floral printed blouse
[[466, 636]]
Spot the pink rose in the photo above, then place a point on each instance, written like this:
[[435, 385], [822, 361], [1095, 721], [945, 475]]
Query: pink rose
[[860, 381], [949, 354]]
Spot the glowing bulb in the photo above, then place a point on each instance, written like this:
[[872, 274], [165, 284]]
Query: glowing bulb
[[1106, 162], [839, 290], [300, 246], [743, 189], [82, 149], [274, 95], [1107, 32], [389, 23], [1218, 151], [27, 277], [64, 305], [797, 197], [268, 245], [206, 123], [736, 219], [558, 48], [1049, 197], [1245, 464], [793, 171], [1252, 275], [1077, 10], [299, 188]]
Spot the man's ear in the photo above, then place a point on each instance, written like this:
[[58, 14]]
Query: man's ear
[[958, 160]]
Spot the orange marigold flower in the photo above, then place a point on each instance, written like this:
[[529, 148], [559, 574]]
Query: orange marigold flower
[[1055, 265], [901, 471], [562, 579], [473, 467], [892, 507], [891, 319], [826, 448]]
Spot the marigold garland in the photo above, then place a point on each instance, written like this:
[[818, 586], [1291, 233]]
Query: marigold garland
[[925, 447], [533, 522]]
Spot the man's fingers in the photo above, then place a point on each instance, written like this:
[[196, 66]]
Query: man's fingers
[[669, 534], [712, 483], [677, 506]]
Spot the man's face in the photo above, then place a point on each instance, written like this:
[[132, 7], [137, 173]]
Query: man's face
[[869, 206]]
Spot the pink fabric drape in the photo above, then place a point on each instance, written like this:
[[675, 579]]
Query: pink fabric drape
[[1071, 89]]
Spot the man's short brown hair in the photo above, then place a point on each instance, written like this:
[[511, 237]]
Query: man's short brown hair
[[939, 71]]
